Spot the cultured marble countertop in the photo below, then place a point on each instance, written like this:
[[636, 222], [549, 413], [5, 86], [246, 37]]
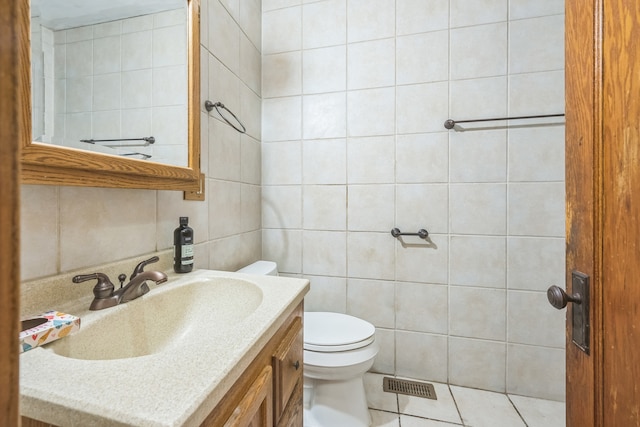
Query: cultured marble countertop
[[178, 386]]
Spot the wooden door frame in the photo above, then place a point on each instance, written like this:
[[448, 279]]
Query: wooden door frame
[[14, 132]]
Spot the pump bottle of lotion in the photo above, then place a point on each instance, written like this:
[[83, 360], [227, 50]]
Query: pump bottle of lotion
[[183, 247]]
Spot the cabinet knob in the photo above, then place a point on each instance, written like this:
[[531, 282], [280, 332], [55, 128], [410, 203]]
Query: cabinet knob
[[296, 365]]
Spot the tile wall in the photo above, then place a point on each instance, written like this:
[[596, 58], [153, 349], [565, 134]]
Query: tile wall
[[124, 79], [355, 96], [72, 228]]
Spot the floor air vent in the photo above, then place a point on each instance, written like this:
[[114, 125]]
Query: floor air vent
[[411, 388]]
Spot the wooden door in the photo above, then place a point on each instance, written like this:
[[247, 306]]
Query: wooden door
[[603, 207], [14, 133]]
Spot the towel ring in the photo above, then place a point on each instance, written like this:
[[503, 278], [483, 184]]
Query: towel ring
[[217, 105]]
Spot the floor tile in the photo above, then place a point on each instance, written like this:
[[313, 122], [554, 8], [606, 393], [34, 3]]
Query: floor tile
[[384, 419], [480, 408], [376, 397], [409, 421], [442, 409], [539, 412]]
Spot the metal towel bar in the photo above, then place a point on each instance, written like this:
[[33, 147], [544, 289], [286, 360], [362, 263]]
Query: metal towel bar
[[450, 123], [422, 233]]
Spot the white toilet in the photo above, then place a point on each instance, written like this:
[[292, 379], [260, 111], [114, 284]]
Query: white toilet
[[338, 350]]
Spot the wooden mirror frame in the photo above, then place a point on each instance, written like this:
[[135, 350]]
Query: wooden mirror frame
[[55, 165]]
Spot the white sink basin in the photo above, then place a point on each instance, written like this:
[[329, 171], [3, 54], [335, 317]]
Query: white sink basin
[[164, 317]]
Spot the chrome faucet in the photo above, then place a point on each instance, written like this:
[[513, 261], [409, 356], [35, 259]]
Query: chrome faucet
[[104, 292]]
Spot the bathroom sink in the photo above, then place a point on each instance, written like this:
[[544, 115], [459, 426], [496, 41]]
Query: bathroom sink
[[165, 317]]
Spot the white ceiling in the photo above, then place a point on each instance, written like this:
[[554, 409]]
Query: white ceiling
[[61, 14]]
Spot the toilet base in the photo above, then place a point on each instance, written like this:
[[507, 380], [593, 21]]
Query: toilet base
[[335, 403]]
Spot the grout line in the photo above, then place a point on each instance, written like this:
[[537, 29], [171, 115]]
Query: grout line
[[517, 411], [453, 397]]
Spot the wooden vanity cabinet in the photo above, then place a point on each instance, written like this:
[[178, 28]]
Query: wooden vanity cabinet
[[269, 392]]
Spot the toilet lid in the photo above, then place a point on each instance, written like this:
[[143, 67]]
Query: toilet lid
[[332, 332]]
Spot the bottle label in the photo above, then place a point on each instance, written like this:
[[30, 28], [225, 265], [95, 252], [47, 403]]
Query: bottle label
[[187, 251]]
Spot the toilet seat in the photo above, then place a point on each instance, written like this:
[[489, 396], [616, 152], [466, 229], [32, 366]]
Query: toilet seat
[[328, 332]]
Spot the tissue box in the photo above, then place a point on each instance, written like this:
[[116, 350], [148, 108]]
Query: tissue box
[[54, 325]]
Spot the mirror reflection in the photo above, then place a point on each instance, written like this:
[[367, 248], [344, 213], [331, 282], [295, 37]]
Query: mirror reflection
[[111, 76]]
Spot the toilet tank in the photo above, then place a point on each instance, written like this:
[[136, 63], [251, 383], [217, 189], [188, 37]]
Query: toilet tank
[[262, 268]]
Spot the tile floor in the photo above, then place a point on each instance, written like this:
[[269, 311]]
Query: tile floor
[[459, 406]]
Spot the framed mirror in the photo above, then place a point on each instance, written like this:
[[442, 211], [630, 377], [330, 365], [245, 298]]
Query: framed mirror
[[140, 130]]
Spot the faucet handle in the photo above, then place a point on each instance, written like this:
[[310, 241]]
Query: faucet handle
[[140, 267], [103, 288]]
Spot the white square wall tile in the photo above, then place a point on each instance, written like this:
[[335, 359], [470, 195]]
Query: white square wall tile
[[325, 24], [422, 158], [422, 307], [85, 218], [535, 263], [535, 44], [422, 206], [478, 209], [326, 294], [224, 150], [170, 46], [170, 86], [519, 9], [537, 209], [370, 207], [370, 19], [371, 112], [372, 300], [283, 247], [479, 156], [370, 160], [422, 107], [479, 51], [274, 40], [528, 372], [371, 64], [427, 360], [477, 363], [324, 161], [282, 119], [385, 361], [250, 64], [487, 319], [282, 74], [371, 255], [417, 57], [324, 116], [282, 206], [531, 321], [324, 253], [106, 92], [224, 36], [137, 50], [478, 261], [224, 209], [38, 231], [536, 93], [281, 163], [465, 13], [420, 16], [485, 409], [137, 89], [324, 207], [537, 154], [324, 69], [478, 99], [423, 261], [106, 55]]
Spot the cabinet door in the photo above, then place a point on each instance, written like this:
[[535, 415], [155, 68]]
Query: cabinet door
[[255, 408], [287, 366]]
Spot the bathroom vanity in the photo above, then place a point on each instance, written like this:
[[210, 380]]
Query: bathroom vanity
[[233, 357]]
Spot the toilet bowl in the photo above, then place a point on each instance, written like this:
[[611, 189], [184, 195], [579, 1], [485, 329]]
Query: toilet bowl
[[338, 350]]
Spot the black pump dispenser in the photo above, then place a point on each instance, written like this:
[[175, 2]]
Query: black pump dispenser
[[183, 247]]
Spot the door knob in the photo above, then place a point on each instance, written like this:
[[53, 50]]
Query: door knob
[[559, 298]]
